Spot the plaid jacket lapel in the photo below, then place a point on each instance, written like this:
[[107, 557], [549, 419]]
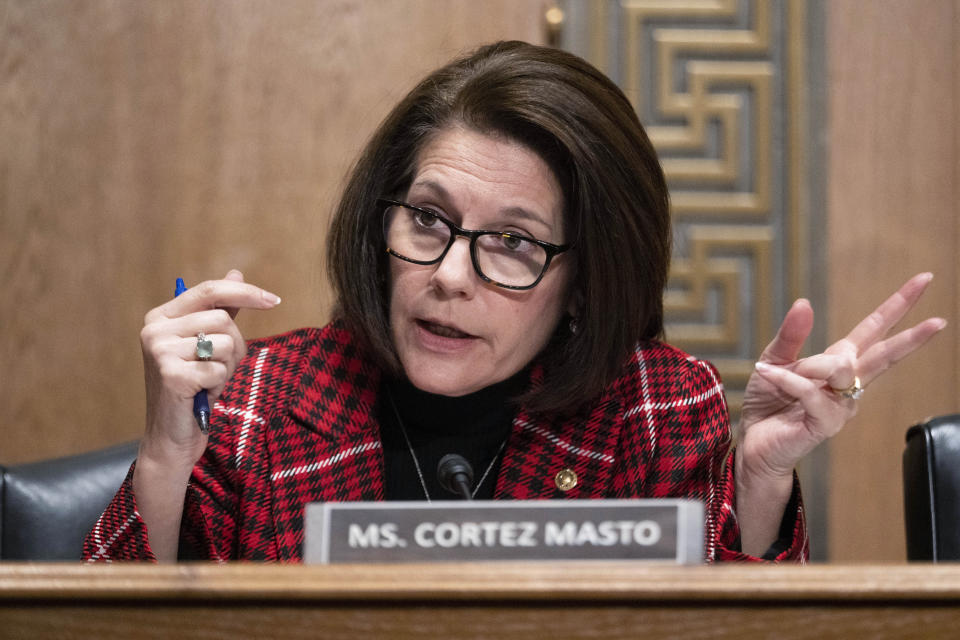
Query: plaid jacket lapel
[[327, 447], [540, 448]]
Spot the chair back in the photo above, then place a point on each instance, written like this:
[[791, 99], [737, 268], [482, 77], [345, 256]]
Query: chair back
[[931, 489], [47, 507]]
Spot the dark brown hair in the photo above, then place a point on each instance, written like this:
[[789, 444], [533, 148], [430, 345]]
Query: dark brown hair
[[616, 207]]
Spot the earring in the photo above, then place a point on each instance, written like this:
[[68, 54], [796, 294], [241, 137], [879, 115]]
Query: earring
[[574, 325]]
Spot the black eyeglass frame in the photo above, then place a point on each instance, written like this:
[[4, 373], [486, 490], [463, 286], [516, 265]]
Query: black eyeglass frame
[[472, 235]]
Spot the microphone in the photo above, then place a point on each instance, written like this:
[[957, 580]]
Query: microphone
[[455, 475]]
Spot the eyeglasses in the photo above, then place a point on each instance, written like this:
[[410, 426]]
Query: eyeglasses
[[506, 259]]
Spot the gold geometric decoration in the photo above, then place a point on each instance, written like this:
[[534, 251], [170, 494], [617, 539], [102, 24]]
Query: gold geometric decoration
[[719, 87]]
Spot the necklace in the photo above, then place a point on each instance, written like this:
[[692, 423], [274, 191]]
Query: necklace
[[416, 462]]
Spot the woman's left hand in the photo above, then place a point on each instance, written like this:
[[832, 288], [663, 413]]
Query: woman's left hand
[[791, 405]]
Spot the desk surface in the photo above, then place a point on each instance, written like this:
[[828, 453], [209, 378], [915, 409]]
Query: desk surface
[[568, 600], [458, 582]]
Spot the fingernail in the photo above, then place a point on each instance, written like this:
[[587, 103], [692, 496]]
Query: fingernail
[[762, 366], [271, 298], [941, 324]]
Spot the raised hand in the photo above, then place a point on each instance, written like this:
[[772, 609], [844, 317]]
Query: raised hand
[[174, 374], [791, 405], [172, 369]]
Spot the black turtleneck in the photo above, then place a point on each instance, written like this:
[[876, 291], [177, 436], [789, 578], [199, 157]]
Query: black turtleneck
[[474, 426]]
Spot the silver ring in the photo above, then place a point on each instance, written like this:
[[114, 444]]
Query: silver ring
[[204, 347], [854, 391]]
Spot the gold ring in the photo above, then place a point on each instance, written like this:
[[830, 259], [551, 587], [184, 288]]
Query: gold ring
[[853, 392]]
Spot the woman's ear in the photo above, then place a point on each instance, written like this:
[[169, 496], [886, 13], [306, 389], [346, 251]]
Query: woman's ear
[[574, 309], [575, 304]]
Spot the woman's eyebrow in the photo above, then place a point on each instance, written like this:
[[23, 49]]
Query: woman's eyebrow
[[432, 186], [516, 212], [526, 214]]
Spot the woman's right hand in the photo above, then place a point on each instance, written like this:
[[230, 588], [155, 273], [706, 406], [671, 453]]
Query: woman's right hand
[[173, 372]]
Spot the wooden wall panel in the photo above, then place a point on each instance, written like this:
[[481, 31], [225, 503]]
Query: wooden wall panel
[[145, 141], [894, 144]]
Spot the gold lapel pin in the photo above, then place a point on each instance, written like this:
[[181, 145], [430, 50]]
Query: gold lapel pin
[[565, 479]]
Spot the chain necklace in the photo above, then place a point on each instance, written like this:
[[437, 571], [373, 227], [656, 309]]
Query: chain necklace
[[416, 462]]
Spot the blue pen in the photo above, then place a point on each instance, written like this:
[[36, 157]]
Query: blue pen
[[201, 406]]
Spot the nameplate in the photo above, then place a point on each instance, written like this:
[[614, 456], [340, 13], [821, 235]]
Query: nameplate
[[662, 531]]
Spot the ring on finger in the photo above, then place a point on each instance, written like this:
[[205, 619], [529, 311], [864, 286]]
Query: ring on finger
[[204, 347], [854, 391]]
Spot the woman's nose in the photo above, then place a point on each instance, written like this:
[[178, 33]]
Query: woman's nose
[[454, 273]]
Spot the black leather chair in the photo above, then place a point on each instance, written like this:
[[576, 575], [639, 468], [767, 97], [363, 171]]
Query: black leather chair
[[931, 489], [47, 507]]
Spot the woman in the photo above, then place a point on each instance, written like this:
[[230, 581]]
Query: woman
[[500, 255]]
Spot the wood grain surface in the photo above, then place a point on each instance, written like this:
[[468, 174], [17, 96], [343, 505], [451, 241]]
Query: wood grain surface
[[894, 146], [587, 580], [142, 141], [576, 600]]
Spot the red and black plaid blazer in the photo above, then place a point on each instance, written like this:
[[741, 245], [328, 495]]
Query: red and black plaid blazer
[[298, 423]]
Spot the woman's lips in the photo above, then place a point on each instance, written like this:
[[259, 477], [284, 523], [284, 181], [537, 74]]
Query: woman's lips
[[441, 338], [442, 330]]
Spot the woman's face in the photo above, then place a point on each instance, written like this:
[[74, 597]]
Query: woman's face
[[455, 333]]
